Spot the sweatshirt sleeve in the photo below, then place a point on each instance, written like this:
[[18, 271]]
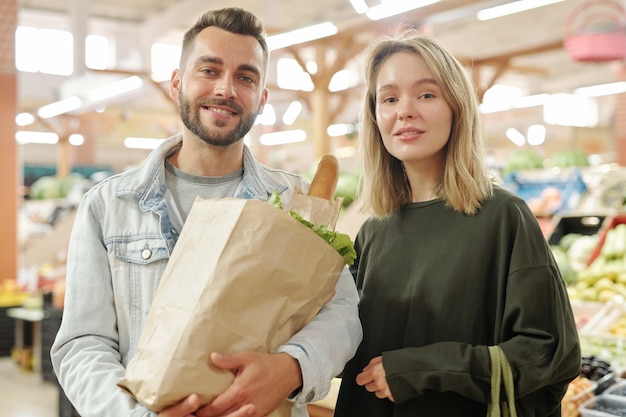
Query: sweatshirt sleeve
[[540, 343]]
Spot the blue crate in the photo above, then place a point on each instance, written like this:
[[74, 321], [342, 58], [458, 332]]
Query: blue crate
[[529, 186]]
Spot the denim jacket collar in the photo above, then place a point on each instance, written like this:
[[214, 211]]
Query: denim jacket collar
[[147, 183]]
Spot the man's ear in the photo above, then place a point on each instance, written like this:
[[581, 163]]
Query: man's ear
[[175, 85], [263, 101]]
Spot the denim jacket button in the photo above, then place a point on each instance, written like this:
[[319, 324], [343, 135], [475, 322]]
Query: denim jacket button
[[146, 253]]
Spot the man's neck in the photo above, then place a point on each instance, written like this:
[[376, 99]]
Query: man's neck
[[199, 158]]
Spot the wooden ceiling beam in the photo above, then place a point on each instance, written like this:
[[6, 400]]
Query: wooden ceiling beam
[[514, 54], [502, 64]]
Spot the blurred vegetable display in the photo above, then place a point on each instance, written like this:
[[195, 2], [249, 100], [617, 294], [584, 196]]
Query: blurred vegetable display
[[49, 187], [347, 187], [569, 158], [522, 159], [605, 276]]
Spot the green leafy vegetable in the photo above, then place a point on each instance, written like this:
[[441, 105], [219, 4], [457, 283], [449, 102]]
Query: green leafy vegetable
[[339, 241]]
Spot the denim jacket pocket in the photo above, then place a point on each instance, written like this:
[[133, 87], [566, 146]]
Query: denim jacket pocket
[[142, 251], [139, 264]]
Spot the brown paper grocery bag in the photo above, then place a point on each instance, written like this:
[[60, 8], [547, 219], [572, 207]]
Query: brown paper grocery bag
[[244, 276]]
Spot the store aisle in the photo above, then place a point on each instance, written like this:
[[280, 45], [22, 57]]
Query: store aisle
[[25, 394]]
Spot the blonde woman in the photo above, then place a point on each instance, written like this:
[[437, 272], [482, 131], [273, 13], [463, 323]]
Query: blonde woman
[[449, 262]]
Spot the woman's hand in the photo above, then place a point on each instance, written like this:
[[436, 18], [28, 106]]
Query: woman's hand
[[373, 378]]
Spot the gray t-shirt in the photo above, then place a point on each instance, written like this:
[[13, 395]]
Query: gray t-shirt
[[186, 187]]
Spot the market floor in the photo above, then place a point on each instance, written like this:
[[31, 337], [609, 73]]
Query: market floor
[[25, 394]]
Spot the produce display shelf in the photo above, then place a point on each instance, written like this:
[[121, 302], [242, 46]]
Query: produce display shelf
[[584, 224], [600, 405], [530, 185], [598, 335], [611, 223]]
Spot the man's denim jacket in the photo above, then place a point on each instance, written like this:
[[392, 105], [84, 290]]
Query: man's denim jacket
[[124, 232]]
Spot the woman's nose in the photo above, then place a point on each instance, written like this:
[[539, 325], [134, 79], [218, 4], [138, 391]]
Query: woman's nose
[[407, 111]]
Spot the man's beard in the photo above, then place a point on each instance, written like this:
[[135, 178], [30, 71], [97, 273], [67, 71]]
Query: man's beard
[[191, 120]]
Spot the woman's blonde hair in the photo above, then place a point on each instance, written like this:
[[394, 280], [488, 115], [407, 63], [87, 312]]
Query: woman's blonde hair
[[466, 182]]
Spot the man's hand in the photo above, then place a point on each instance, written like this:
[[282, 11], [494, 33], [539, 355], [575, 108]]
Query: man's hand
[[185, 408], [373, 378], [262, 382]]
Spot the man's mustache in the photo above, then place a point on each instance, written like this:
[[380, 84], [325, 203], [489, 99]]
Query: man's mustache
[[220, 102]]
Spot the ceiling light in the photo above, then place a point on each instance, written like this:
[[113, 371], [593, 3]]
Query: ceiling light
[[518, 103], [23, 137], [340, 129], [292, 112], [281, 138], [536, 134], [513, 7], [389, 9], [268, 117], [24, 119], [571, 110], [515, 136], [291, 76], [76, 139], [345, 152], [142, 143], [602, 89], [116, 88], [359, 6], [340, 81], [59, 107], [306, 34]]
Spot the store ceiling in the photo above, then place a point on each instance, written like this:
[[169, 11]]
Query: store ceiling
[[524, 49], [452, 21]]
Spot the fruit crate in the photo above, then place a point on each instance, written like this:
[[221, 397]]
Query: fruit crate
[[588, 224], [531, 186], [598, 336], [586, 312], [605, 318], [578, 392], [618, 390], [610, 223], [603, 406]]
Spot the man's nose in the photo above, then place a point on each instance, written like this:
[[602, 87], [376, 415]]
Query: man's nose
[[225, 88]]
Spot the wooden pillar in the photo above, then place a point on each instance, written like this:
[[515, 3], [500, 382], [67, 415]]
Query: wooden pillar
[[9, 177], [64, 164], [331, 55], [619, 119], [321, 120], [619, 130]]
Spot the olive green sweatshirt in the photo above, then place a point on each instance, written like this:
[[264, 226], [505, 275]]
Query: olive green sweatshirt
[[437, 288]]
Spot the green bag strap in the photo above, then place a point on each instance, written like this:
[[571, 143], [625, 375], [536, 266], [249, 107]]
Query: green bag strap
[[493, 410], [501, 373]]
